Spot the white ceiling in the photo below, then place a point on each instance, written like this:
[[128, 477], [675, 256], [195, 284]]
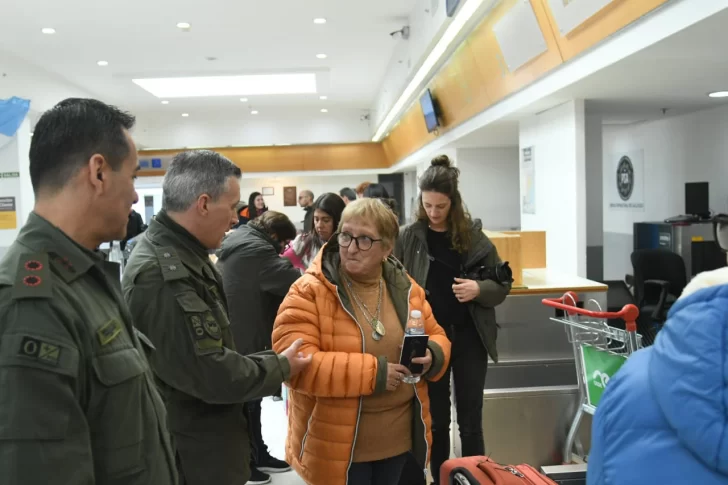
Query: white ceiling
[[140, 39], [675, 74]]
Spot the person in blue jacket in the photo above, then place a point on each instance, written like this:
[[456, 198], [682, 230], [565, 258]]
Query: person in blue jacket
[[663, 418]]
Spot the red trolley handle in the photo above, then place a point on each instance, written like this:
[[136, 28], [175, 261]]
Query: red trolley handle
[[628, 313]]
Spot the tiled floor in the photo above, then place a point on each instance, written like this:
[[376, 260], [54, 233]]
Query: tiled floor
[[275, 426]]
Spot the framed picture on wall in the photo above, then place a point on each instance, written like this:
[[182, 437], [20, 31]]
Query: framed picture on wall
[[268, 191], [289, 196]]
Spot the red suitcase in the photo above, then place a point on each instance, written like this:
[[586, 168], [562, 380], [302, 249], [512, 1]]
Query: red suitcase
[[481, 470]]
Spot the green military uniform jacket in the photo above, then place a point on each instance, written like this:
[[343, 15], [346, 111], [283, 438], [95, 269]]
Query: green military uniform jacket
[[175, 294], [78, 402]]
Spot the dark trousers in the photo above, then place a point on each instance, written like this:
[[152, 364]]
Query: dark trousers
[[258, 449], [382, 472], [468, 366]]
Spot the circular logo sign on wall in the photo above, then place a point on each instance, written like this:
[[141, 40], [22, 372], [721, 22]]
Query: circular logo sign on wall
[[625, 178]]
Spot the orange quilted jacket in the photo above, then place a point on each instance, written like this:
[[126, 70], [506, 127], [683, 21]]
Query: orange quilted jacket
[[325, 399]]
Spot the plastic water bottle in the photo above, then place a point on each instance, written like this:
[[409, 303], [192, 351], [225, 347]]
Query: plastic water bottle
[[415, 326]]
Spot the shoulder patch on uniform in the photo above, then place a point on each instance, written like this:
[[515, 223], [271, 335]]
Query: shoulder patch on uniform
[[171, 264], [109, 331], [33, 277], [44, 352]]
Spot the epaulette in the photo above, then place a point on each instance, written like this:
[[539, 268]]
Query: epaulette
[[172, 267], [33, 278]]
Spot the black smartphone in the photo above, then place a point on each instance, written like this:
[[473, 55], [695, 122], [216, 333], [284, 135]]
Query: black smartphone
[[413, 346]]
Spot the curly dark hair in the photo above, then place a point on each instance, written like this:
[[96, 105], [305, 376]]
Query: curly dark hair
[[442, 177]]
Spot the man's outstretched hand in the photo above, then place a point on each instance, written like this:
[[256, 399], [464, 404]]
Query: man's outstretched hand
[[297, 360]]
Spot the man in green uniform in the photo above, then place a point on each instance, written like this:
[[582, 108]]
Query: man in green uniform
[[78, 402], [175, 294]]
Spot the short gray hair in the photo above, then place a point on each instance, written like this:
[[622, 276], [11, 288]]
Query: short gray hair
[[194, 173]]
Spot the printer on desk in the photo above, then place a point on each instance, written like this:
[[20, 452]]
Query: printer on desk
[[690, 235]]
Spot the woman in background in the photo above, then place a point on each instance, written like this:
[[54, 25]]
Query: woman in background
[[361, 188], [256, 207], [442, 250], [352, 421], [326, 216], [376, 191]]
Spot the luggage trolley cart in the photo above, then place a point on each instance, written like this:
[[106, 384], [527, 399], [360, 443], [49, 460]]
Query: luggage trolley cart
[[599, 352]]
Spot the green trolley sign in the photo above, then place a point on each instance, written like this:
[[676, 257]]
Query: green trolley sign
[[599, 366]]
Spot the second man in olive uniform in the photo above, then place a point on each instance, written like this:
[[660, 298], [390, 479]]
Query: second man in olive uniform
[[175, 294]]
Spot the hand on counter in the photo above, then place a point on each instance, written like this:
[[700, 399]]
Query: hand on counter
[[465, 290]]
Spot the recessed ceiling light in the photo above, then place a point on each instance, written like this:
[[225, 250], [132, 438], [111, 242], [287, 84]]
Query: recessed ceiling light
[[103, 63], [245, 85], [321, 56], [165, 102], [324, 110], [48, 30], [243, 100], [719, 94], [323, 98], [183, 25], [319, 21], [185, 115], [254, 112]]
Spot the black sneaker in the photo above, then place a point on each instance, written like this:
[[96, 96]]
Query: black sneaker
[[273, 465], [257, 477]]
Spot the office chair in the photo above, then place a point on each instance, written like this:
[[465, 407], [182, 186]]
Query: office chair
[[659, 279]]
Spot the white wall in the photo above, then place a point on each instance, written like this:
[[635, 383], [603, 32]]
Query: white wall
[[43, 88], [427, 21], [14, 158], [689, 148], [490, 185], [317, 184], [280, 127], [557, 138]]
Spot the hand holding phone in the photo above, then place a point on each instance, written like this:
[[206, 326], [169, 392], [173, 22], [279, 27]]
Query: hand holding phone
[[414, 347]]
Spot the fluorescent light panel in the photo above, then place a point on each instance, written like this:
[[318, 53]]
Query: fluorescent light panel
[[461, 18], [247, 85]]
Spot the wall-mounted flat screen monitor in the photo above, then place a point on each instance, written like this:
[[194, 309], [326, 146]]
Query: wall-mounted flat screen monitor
[[430, 111], [697, 199]]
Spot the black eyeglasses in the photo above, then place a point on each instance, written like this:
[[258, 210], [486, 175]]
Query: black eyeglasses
[[364, 243]]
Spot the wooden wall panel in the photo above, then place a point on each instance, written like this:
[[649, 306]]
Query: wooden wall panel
[[533, 248], [611, 19], [348, 156], [473, 79], [476, 75]]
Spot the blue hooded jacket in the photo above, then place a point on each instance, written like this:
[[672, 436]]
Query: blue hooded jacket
[[663, 418]]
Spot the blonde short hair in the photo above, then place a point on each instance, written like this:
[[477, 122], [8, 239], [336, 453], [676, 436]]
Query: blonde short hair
[[376, 212]]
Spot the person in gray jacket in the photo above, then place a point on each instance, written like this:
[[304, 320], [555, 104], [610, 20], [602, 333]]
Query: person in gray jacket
[[255, 280], [447, 253]]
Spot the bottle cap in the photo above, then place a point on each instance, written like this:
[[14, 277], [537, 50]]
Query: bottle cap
[[416, 314]]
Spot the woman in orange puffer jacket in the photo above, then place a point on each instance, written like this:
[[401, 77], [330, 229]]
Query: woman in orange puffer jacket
[[351, 418]]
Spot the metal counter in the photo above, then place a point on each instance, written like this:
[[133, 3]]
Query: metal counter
[[531, 395]]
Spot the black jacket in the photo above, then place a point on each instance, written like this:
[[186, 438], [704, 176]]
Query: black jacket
[[308, 219], [255, 281], [411, 249], [134, 227]]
